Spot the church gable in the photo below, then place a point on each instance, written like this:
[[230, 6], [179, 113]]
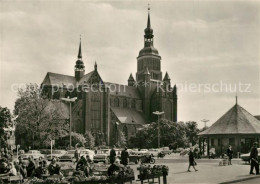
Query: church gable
[[91, 78]]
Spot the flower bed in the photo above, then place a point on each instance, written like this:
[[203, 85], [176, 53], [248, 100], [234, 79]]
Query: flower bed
[[150, 172]]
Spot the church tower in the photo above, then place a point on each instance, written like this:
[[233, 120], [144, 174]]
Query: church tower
[[149, 56], [79, 67]]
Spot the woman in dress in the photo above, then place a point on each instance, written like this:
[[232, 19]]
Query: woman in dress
[[191, 160]]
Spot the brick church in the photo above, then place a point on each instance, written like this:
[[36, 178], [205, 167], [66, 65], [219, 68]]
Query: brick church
[[108, 109]]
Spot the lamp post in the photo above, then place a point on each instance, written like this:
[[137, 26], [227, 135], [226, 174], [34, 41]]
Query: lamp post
[[158, 114], [70, 100], [205, 122]]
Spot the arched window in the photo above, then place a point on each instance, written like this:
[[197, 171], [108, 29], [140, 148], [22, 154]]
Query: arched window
[[125, 102], [116, 102]]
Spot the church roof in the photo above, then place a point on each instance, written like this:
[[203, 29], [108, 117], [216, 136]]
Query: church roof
[[61, 80], [58, 79], [257, 117], [86, 77], [128, 116], [149, 50], [123, 90], [236, 121]]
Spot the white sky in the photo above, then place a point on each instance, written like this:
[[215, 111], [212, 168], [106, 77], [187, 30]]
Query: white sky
[[199, 42]]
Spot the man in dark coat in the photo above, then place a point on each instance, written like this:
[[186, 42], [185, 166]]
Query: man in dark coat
[[229, 154], [124, 157], [254, 159], [112, 156]]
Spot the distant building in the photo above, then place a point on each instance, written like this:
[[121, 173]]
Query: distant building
[[117, 107], [237, 128]]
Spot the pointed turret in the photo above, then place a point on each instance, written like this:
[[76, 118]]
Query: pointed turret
[[166, 77], [79, 54], [148, 30], [131, 80], [79, 67], [95, 66]]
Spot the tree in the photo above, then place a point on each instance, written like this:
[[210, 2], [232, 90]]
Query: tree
[[121, 139], [5, 120], [76, 139], [39, 120], [171, 134], [90, 140], [192, 132]]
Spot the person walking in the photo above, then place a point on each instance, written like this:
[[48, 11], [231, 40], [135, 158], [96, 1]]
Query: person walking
[[229, 154], [192, 160], [112, 155], [124, 157], [254, 159]]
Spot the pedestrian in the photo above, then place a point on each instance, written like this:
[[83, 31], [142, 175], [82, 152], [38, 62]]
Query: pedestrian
[[124, 157], [77, 154], [254, 159], [112, 156], [191, 160], [31, 166], [96, 151], [229, 154]]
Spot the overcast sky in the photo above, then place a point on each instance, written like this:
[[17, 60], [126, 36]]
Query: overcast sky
[[200, 42]]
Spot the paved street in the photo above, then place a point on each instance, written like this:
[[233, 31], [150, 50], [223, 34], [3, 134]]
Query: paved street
[[209, 171]]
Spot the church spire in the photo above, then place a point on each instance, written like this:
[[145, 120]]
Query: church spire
[[148, 20], [79, 67], [148, 31], [79, 54]]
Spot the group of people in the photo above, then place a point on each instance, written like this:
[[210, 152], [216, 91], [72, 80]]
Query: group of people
[[32, 168], [253, 157], [116, 165], [85, 165]]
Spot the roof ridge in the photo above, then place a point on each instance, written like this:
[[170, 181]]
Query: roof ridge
[[59, 74], [243, 111]]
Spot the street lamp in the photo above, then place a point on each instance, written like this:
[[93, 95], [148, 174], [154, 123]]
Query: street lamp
[[205, 122], [70, 100], [158, 114]]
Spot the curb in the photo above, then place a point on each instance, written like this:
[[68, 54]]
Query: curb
[[242, 179]]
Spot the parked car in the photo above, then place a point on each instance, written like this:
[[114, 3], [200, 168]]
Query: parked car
[[134, 152], [179, 150], [104, 151], [56, 154], [143, 151], [32, 153], [245, 157], [154, 152], [101, 158], [85, 152], [166, 150], [68, 157]]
